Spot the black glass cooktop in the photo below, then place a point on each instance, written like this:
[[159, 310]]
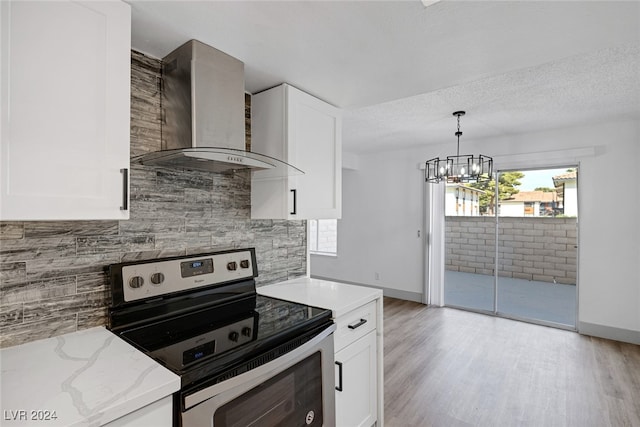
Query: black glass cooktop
[[211, 341]]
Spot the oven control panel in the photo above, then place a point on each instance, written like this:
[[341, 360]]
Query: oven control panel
[[162, 277]]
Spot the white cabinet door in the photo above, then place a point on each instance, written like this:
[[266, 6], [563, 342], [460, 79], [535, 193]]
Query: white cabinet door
[[65, 90], [157, 414], [356, 385], [315, 147], [305, 132]]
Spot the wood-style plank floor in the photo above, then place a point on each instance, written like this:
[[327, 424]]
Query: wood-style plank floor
[[448, 367]]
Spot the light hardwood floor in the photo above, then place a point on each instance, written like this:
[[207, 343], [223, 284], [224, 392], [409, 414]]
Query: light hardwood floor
[[448, 367]]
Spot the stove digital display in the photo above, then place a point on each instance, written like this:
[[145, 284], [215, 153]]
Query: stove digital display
[[198, 352], [196, 268]]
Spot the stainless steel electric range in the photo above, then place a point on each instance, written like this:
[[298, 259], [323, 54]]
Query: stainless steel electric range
[[243, 359]]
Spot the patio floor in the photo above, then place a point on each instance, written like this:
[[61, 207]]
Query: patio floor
[[541, 301]]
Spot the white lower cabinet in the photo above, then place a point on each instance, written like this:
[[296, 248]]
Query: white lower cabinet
[[356, 357], [157, 414], [356, 385]]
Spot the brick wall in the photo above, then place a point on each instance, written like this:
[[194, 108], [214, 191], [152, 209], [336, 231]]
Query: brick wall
[[51, 273], [541, 249]]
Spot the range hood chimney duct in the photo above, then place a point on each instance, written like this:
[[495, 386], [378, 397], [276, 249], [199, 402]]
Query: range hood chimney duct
[[203, 124]]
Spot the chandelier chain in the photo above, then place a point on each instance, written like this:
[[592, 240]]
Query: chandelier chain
[[458, 133]]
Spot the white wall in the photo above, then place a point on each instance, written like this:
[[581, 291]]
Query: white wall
[[382, 211], [511, 209], [571, 199]]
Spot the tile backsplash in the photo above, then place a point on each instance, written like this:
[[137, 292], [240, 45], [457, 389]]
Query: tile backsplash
[[51, 273]]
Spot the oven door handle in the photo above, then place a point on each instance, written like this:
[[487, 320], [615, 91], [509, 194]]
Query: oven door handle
[[261, 373]]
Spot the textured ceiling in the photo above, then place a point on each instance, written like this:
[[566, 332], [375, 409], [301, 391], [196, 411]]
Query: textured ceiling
[[399, 69], [577, 90]]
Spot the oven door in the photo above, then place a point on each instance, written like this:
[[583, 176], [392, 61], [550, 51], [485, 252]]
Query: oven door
[[296, 389]]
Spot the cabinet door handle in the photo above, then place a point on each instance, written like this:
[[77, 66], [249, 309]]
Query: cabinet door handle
[[125, 189], [295, 201], [339, 386], [357, 325]]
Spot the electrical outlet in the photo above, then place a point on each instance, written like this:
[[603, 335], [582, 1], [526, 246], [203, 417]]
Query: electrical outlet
[[376, 275]]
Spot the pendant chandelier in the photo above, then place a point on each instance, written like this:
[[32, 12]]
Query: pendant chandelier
[[459, 168]]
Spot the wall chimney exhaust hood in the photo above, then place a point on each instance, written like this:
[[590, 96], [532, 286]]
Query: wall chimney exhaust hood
[[203, 125]]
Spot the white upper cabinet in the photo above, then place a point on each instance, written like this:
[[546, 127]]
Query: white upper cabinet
[[305, 132], [65, 106]]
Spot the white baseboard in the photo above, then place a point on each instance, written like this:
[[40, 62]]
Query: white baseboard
[[608, 332]]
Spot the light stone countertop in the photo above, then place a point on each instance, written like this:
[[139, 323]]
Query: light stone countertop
[[339, 297], [89, 378]]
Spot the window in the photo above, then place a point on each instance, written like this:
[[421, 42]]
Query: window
[[323, 236]]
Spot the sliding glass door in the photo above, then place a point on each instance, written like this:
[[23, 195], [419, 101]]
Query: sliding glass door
[[511, 249], [537, 247], [470, 237]]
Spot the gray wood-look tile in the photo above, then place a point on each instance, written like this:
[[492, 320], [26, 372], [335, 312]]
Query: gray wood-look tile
[[41, 229], [183, 241], [267, 277], [23, 333], [70, 266], [158, 253], [198, 196], [37, 290], [181, 180], [92, 318], [200, 250], [62, 306], [12, 272], [153, 226], [91, 282], [262, 224], [142, 178], [37, 248], [11, 230], [122, 243], [11, 314], [156, 195]]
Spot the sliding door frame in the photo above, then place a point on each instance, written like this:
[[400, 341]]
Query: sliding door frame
[[435, 262]]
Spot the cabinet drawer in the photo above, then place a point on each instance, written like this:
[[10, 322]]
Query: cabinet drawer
[[354, 325]]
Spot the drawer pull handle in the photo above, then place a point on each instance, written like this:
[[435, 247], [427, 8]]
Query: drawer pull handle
[[125, 189], [339, 386], [295, 202], [357, 325]]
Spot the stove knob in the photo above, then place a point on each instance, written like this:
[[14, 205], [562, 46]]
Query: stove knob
[[233, 336], [232, 266], [157, 278], [246, 331], [244, 263], [136, 281]]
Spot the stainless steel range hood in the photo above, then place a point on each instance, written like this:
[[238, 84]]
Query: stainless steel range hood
[[204, 115]]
